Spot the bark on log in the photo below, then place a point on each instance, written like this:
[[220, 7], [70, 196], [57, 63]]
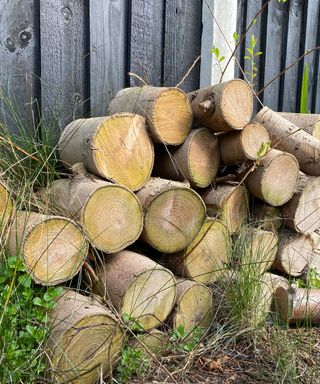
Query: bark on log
[[298, 305], [205, 258], [85, 340], [167, 111], [295, 252], [275, 178], [196, 160], [308, 122], [6, 206], [53, 248], [116, 148], [288, 137], [193, 306], [302, 212], [266, 217], [174, 214], [229, 203], [244, 145], [138, 287], [110, 214], [153, 341], [223, 107]]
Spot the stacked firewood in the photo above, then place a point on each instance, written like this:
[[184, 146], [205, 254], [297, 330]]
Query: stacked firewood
[[181, 174]]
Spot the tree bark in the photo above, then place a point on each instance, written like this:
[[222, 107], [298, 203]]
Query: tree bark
[[167, 111], [266, 217], [308, 122], [116, 148]]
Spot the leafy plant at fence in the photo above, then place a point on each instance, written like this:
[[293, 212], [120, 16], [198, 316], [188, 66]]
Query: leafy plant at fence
[[304, 90], [219, 58], [251, 58]]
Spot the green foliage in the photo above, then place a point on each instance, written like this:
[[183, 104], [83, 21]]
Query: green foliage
[[133, 362], [219, 59], [131, 323], [236, 36], [186, 341], [251, 58], [264, 148], [23, 323], [304, 91], [312, 280]]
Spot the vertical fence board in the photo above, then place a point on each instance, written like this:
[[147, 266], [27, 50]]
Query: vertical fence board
[[62, 24], [274, 53], [241, 26], [290, 85], [146, 45], [108, 46], [18, 64], [182, 42]]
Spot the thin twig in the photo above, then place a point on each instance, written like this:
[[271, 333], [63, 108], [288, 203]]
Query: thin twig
[[137, 77], [188, 72]]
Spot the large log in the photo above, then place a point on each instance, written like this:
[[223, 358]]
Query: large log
[[174, 214], [238, 146], [229, 203], [196, 160], [137, 286], [205, 258], [295, 251], [308, 122], [85, 340], [110, 214], [153, 341], [53, 248], [289, 138], [298, 305], [275, 178], [223, 107], [266, 217], [167, 111], [193, 306], [116, 148], [302, 212]]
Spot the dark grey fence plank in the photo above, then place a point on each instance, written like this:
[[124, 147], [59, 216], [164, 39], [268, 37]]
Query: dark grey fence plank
[[108, 47], [146, 45], [241, 26], [182, 42], [290, 84], [18, 62], [273, 53], [62, 24]]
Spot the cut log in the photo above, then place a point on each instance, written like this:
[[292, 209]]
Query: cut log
[[295, 251], [53, 248], [298, 305], [138, 287], [167, 111], [193, 306], [174, 214], [205, 258], [197, 160], [153, 341], [116, 148], [238, 146], [302, 212], [274, 180], [6, 206], [85, 340], [229, 203], [110, 214], [308, 122], [266, 217], [289, 138], [223, 107]]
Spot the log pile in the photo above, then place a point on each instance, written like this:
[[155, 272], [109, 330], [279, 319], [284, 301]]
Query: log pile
[[183, 175]]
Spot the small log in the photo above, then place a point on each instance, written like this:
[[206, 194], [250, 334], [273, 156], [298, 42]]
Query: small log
[[302, 212], [266, 217], [153, 341], [110, 214], [298, 305], [196, 160], [174, 214], [85, 340], [275, 179], [223, 107], [116, 148], [308, 122], [6, 206], [289, 138], [295, 251], [193, 307], [53, 248], [137, 287], [238, 146], [205, 258], [167, 111], [229, 203]]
